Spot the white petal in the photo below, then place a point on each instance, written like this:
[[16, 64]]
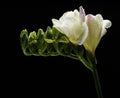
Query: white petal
[[106, 24], [57, 25], [99, 20], [55, 21], [84, 35], [95, 26], [82, 13], [70, 15]]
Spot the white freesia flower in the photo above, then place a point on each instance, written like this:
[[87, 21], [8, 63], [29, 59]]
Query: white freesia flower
[[73, 25], [97, 28], [82, 29]]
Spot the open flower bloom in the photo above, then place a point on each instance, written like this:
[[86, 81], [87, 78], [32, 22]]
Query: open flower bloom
[[97, 28], [73, 25], [82, 29]]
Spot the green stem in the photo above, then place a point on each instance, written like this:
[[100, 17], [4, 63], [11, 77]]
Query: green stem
[[87, 64], [97, 82]]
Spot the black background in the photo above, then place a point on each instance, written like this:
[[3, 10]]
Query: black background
[[56, 76]]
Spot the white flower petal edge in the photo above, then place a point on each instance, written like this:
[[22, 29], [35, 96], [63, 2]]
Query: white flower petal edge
[[84, 36]]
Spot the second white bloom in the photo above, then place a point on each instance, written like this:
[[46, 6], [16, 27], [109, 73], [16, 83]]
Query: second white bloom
[[72, 24]]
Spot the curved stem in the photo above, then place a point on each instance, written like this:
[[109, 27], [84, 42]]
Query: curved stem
[[97, 82], [87, 64]]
